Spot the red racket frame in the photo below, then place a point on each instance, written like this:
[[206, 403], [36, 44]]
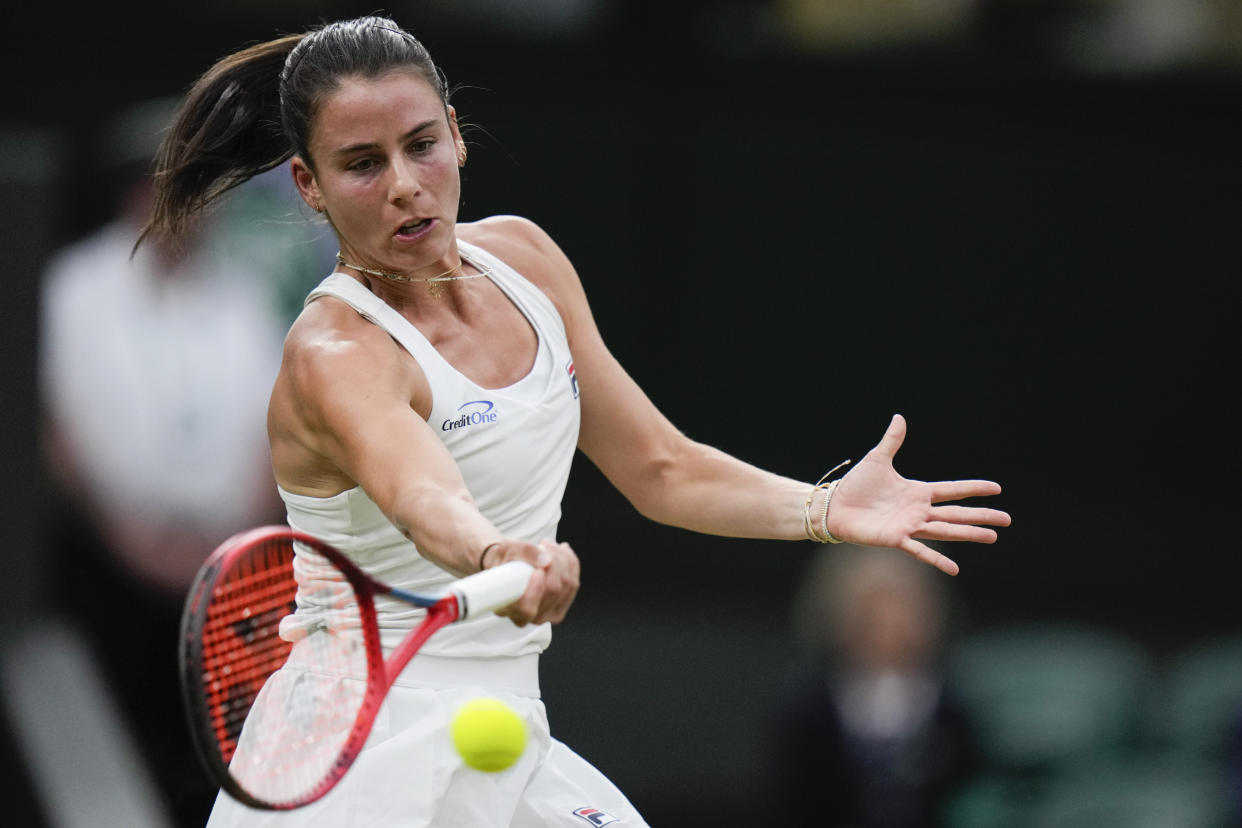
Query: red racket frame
[[219, 573]]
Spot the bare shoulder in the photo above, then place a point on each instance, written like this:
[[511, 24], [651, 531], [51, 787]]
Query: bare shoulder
[[339, 374], [513, 234], [331, 346], [329, 332], [524, 246]]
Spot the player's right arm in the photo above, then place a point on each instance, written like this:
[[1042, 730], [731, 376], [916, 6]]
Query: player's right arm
[[344, 413]]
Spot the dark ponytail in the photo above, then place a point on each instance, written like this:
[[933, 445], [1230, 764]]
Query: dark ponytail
[[227, 131], [253, 110]]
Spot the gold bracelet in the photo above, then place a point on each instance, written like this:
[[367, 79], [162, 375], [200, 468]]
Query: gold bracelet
[[832, 488], [809, 527], [808, 524]]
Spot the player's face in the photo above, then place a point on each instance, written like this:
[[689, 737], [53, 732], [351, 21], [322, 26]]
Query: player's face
[[386, 172]]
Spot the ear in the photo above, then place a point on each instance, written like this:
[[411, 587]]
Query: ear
[[459, 143], [308, 187], [452, 114]]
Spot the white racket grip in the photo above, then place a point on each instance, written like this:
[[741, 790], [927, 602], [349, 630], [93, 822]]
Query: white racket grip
[[491, 589]]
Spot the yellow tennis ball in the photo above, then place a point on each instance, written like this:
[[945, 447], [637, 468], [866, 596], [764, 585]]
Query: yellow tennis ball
[[488, 734]]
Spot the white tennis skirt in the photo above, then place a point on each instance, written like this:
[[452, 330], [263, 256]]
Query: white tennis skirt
[[410, 776]]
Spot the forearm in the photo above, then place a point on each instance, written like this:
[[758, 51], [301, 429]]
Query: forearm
[[705, 490], [446, 527]]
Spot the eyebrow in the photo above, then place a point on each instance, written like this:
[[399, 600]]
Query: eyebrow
[[352, 148]]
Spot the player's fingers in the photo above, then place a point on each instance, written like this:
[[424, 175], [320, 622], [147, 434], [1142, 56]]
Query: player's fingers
[[970, 514], [893, 437], [561, 582], [558, 611], [559, 559], [526, 609], [938, 530], [567, 590], [510, 550], [929, 556], [574, 583], [960, 489]]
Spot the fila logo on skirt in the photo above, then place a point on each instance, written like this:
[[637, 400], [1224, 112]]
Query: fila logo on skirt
[[595, 816]]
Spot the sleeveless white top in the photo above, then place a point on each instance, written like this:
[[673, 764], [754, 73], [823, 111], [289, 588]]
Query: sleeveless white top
[[514, 446]]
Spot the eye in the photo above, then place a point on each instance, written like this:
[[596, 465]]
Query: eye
[[362, 165], [422, 145]]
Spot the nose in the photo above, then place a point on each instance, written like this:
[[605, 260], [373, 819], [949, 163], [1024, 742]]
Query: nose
[[405, 184]]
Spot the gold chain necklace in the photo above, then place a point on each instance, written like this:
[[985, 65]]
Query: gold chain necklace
[[435, 284]]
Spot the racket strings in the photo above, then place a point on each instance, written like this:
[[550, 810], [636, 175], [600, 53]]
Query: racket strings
[[241, 645], [284, 671]]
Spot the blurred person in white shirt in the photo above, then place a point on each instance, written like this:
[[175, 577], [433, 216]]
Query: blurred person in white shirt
[[155, 371]]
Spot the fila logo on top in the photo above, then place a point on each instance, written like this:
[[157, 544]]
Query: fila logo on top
[[595, 816], [573, 378], [472, 413]]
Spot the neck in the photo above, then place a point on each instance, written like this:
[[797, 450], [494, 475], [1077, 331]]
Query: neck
[[435, 284], [399, 277]]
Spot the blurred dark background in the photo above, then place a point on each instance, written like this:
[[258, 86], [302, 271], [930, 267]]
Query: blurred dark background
[[1013, 221]]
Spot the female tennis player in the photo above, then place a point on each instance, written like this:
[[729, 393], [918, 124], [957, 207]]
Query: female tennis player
[[431, 397]]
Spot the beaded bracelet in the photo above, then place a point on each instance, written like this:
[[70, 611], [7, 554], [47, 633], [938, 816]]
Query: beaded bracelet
[[830, 488]]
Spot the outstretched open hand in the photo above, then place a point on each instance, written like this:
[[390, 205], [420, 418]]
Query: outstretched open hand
[[875, 506]]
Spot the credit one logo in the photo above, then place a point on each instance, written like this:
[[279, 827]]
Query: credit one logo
[[472, 413]]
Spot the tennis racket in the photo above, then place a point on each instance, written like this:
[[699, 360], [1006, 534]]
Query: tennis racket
[[281, 666]]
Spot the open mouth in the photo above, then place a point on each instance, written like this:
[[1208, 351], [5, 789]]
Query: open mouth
[[413, 228]]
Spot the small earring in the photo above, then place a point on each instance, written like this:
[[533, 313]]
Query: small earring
[[461, 153], [318, 208]]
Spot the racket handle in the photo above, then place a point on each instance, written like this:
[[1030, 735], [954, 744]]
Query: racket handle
[[491, 589]]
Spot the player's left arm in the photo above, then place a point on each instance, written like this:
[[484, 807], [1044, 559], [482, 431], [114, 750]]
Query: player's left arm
[[675, 480]]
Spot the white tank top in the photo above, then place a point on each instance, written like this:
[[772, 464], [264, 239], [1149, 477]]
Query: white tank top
[[514, 446]]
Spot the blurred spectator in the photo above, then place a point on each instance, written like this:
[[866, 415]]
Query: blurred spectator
[[1110, 35], [540, 19], [869, 735], [155, 372], [855, 24], [1096, 35]]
